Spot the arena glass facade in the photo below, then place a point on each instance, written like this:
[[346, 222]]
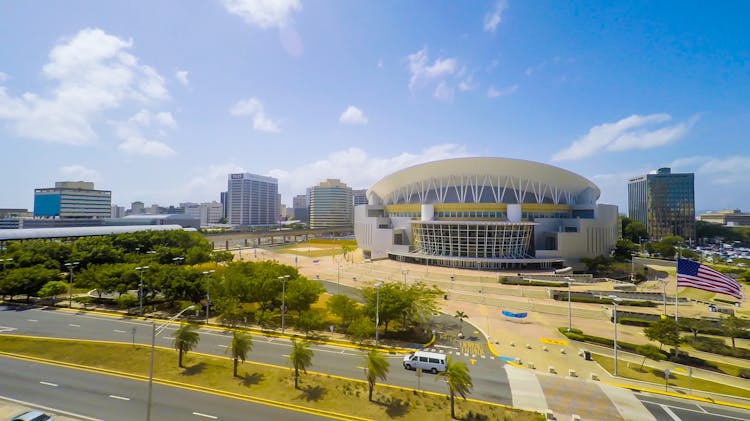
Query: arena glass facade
[[485, 213]]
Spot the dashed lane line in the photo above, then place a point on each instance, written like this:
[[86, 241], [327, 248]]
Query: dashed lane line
[[200, 414], [49, 384], [73, 325], [122, 398], [118, 331]]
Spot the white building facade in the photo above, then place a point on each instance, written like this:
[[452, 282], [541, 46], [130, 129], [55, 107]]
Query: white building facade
[[252, 199], [485, 213]]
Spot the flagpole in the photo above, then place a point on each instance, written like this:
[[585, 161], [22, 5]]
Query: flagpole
[[676, 286]]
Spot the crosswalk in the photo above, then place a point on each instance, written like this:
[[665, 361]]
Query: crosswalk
[[464, 349]]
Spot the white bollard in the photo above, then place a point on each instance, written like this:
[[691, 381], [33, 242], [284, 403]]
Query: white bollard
[[528, 346], [562, 350], [551, 369], [545, 349], [594, 377], [572, 373], [530, 365]]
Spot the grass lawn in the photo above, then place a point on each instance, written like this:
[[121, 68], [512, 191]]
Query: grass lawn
[[632, 371], [320, 391]]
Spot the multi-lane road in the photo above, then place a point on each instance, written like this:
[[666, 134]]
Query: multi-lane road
[[489, 376]]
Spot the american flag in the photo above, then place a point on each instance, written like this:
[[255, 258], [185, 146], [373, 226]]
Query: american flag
[[695, 275]]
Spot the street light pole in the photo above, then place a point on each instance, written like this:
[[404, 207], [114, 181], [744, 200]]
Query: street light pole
[[377, 310], [154, 333], [140, 270], [283, 280], [71, 266], [208, 292], [570, 313], [615, 299]]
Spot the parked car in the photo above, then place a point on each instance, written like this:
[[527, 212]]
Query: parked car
[[32, 416]]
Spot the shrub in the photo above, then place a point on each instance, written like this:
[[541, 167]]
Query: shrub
[[634, 322], [745, 373], [126, 301]]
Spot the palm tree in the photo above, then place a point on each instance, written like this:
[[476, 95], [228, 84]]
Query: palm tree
[[241, 345], [185, 339], [346, 248], [459, 381], [301, 358], [377, 368], [460, 315]]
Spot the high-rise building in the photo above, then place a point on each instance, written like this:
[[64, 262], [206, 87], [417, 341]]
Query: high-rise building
[[207, 213], [137, 208], [117, 211], [299, 209], [359, 197], [664, 202], [251, 199], [72, 199], [223, 200], [299, 201], [331, 205]]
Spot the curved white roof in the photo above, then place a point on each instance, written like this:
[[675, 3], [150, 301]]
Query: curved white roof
[[483, 180]]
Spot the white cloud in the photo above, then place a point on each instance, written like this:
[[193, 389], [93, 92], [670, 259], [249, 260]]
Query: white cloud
[[356, 168], [380, 63], [136, 145], [493, 17], [730, 170], [353, 115], [634, 132], [144, 118], [92, 72], [443, 92], [210, 180], [508, 90], [4, 77], [79, 173], [166, 119], [535, 68], [468, 84], [264, 13], [254, 108], [182, 77], [422, 72]]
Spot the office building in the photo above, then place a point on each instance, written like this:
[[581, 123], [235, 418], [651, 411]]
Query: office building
[[331, 205], [137, 208], [207, 213], [730, 218], [300, 210], [664, 202], [117, 211], [223, 200], [251, 199], [72, 199], [485, 213], [359, 197]]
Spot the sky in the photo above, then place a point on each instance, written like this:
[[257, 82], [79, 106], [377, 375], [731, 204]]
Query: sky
[[158, 101]]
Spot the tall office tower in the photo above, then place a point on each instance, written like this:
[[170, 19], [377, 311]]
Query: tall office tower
[[207, 212], [664, 202], [72, 199], [223, 201], [117, 211], [251, 199], [278, 208], [331, 205], [360, 197], [300, 209]]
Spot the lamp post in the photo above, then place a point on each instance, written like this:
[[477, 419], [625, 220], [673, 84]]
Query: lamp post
[[632, 267], [404, 272], [155, 331], [570, 313], [208, 292], [283, 279], [338, 276], [71, 266], [615, 299], [377, 310], [140, 270]]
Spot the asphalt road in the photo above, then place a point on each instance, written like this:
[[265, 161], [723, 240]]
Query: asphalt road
[[117, 399], [672, 409], [489, 376]]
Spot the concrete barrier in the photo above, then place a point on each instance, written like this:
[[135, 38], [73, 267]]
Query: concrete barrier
[[594, 377], [572, 373], [551, 369], [530, 365]]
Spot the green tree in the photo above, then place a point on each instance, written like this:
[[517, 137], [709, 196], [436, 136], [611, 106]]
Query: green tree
[[301, 293], [377, 368], [343, 307], [459, 382], [733, 327], [665, 331], [634, 231], [309, 320], [624, 250], [695, 325], [361, 328], [300, 357], [460, 315], [649, 351], [185, 339], [242, 344], [231, 311], [598, 265], [27, 280], [53, 289]]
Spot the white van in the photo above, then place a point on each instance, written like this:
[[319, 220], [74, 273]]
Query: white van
[[427, 361]]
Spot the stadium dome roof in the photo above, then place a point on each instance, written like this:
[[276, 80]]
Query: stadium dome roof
[[483, 180]]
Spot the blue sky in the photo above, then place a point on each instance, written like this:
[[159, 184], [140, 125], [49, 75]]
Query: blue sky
[[159, 101]]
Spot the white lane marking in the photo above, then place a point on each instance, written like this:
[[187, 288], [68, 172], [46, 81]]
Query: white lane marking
[[119, 331], [32, 320], [285, 356], [222, 346], [205, 415], [122, 398], [49, 384], [4, 329], [73, 325], [669, 412], [169, 338]]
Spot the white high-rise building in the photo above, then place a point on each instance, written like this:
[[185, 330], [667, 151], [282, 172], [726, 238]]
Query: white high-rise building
[[331, 205], [252, 199], [207, 212]]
